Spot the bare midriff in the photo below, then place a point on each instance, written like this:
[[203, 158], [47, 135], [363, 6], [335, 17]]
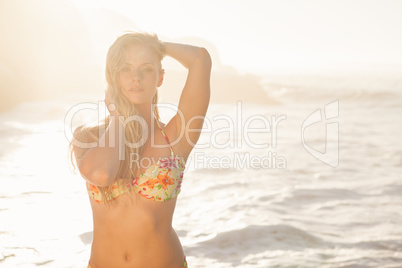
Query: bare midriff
[[135, 232]]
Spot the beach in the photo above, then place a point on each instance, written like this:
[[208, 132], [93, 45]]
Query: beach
[[252, 196]]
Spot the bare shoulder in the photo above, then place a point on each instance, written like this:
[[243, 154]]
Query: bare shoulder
[[83, 139]]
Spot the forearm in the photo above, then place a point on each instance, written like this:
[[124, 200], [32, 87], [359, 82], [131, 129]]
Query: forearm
[[100, 164], [189, 56]]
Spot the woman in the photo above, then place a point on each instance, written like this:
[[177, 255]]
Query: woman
[[134, 167]]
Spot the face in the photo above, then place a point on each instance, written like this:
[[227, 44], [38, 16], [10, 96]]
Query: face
[[140, 75]]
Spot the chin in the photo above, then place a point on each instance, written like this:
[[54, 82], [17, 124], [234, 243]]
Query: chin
[[137, 101]]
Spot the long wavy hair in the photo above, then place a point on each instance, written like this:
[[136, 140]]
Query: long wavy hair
[[133, 131]]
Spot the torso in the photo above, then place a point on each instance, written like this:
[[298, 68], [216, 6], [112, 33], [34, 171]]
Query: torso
[[133, 231]]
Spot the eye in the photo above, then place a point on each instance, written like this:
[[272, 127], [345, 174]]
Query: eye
[[147, 70], [125, 69]]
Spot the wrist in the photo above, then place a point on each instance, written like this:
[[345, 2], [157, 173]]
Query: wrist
[[162, 47]]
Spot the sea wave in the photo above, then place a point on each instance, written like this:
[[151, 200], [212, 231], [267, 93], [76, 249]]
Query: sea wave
[[361, 89]]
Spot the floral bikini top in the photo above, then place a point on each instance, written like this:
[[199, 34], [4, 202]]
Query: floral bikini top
[[160, 182]]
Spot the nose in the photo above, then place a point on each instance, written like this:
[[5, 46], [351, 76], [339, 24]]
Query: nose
[[137, 75]]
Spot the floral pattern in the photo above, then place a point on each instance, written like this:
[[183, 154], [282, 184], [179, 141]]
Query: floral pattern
[[160, 182]]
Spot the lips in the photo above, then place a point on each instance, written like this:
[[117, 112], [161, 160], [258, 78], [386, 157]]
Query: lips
[[136, 89]]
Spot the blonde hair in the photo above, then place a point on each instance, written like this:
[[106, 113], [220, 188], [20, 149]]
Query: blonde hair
[[133, 132]]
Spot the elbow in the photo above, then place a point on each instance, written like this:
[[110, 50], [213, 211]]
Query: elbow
[[204, 56], [97, 177]]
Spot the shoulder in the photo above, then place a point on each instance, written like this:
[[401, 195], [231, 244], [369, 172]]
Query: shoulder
[[85, 133], [84, 138]]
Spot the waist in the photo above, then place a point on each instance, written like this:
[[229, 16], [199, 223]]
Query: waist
[[132, 230], [136, 249]]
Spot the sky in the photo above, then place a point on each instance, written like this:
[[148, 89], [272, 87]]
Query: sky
[[266, 36]]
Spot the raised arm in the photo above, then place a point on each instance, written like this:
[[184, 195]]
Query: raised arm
[[99, 165], [194, 99]]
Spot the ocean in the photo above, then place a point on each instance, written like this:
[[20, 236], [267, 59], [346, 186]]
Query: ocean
[[311, 179]]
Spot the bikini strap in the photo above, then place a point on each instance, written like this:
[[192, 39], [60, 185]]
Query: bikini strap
[[166, 137]]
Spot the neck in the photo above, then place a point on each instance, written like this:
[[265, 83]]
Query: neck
[[146, 113]]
